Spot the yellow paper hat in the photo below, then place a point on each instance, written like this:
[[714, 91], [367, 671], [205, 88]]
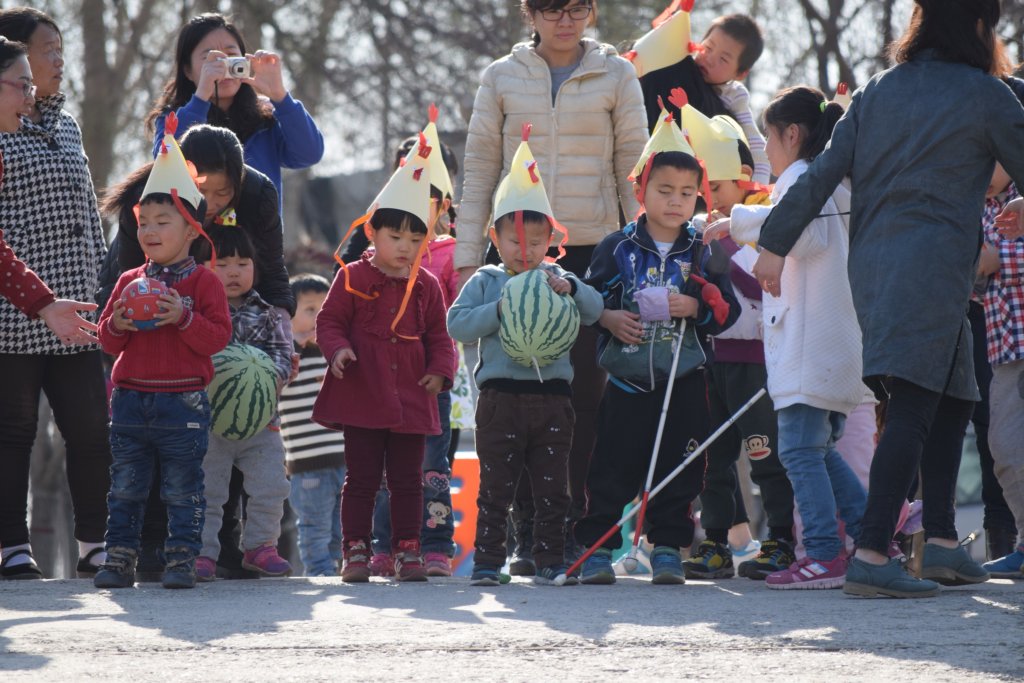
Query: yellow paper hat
[[667, 44], [715, 141], [171, 174], [522, 189], [439, 175], [666, 138], [408, 189], [843, 97]]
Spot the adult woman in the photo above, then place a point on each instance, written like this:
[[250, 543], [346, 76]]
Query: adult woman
[[589, 128], [914, 247], [275, 133], [48, 213]]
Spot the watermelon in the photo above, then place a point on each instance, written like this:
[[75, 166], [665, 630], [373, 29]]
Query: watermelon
[[243, 393], [141, 299], [538, 326]]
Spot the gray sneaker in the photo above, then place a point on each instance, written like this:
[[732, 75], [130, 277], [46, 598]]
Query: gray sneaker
[[951, 566], [887, 580]]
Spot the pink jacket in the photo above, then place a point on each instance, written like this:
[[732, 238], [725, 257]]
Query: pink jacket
[[440, 260]]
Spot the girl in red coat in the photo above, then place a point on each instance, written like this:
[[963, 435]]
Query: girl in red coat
[[383, 330]]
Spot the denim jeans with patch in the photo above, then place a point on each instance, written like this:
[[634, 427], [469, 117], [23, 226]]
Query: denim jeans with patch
[[823, 484], [438, 519], [316, 500], [151, 427]]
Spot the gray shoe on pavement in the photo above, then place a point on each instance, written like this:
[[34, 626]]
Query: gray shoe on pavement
[[951, 566], [886, 580]]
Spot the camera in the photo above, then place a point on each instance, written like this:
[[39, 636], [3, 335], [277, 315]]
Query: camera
[[238, 67]]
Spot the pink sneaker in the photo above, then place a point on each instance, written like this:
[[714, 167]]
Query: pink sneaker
[[266, 561], [437, 564], [809, 573], [206, 569], [382, 564]]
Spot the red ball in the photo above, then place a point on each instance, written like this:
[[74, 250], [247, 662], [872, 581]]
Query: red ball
[[141, 299]]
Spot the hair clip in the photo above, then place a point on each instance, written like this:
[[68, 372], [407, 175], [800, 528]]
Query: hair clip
[[824, 103]]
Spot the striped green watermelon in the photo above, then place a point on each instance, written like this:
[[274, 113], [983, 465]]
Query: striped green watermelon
[[243, 393], [538, 326]]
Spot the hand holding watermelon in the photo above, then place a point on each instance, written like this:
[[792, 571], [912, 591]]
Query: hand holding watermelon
[[559, 284], [342, 358]]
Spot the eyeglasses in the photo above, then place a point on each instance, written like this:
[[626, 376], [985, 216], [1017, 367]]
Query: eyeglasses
[[578, 13], [27, 89]]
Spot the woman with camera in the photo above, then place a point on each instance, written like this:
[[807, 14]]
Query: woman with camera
[[217, 81]]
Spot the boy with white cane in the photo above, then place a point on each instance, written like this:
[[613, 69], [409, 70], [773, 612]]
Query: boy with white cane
[[653, 274]]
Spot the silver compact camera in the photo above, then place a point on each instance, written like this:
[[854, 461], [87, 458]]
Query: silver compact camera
[[238, 67]]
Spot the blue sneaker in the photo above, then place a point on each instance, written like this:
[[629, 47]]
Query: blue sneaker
[[485, 575], [667, 566], [546, 575], [598, 570], [1009, 567]]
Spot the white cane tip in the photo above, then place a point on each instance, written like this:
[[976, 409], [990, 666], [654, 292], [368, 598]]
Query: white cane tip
[[560, 580], [630, 564]]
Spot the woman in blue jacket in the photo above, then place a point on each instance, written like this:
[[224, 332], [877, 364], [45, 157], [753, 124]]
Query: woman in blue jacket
[[276, 131]]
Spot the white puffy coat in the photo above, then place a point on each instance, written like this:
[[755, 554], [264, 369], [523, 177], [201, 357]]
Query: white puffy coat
[[812, 340], [585, 145]]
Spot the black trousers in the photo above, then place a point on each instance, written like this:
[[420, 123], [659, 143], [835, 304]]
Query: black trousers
[[626, 433], [77, 394], [923, 429], [730, 385]]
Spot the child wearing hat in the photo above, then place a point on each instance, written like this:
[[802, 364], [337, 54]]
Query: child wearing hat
[[656, 277], [382, 329], [159, 408], [711, 72], [524, 413], [737, 373]]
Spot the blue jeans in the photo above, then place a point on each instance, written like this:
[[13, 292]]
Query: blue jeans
[[316, 500], [822, 481], [151, 427], [438, 520]]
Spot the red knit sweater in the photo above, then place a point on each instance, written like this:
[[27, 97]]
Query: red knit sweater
[[171, 358], [21, 286]]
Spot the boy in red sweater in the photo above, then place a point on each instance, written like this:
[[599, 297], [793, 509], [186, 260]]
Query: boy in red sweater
[[159, 408]]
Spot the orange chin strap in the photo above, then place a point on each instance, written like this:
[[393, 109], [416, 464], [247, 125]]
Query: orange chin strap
[[362, 220], [414, 272], [195, 225]]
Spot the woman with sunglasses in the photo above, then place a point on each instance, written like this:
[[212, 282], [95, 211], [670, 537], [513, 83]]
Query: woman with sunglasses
[[589, 128], [49, 217]]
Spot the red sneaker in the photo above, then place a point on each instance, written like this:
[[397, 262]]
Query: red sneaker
[[266, 561], [437, 564], [356, 568], [809, 573], [409, 563]]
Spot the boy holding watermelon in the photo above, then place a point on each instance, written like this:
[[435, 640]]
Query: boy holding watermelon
[[159, 408], [524, 413], [656, 277]]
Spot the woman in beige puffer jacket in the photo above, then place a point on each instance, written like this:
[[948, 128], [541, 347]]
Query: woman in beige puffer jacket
[[587, 135]]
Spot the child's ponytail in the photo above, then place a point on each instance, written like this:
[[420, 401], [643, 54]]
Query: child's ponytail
[[806, 107]]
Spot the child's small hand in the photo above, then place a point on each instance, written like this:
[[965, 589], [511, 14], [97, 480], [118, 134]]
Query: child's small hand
[[682, 306], [716, 231], [171, 309], [432, 383], [295, 367], [559, 284], [988, 263], [1010, 222], [624, 325], [342, 358], [121, 323]]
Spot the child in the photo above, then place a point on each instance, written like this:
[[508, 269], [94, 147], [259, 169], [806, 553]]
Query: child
[[524, 414], [1003, 259], [438, 520], [649, 275], [738, 373], [812, 344], [159, 409], [260, 458], [731, 46], [382, 327], [314, 456]]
